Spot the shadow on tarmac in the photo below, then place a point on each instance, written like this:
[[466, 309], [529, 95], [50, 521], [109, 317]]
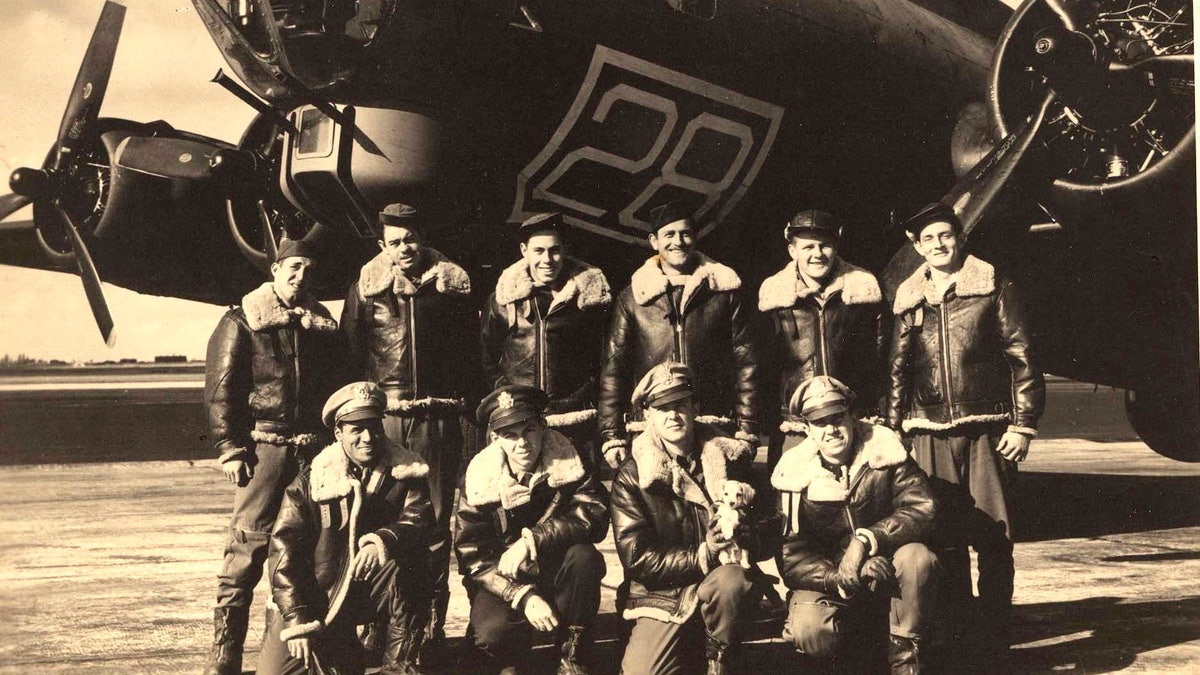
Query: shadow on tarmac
[[1099, 635], [1065, 506]]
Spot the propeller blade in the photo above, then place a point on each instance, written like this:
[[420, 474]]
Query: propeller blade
[[91, 282], [11, 203], [165, 157], [91, 82], [268, 232], [972, 195], [1074, 14]]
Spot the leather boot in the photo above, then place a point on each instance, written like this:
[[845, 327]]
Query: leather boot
[[433, 650], [400, 652], [573, 642], [904, 655], [717, 653], [229, 633]]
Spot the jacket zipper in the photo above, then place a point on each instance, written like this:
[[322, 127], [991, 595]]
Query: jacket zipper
[[945, 330], [412, 342], [821, 343], [540, 382]]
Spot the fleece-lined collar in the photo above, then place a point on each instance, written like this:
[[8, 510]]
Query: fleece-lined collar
[[380, 275], [330, 477], [488, 474], [801, 468], [264, 311], [649, 281], [655, 464], [976, 278], [586, 285], [785, 288]]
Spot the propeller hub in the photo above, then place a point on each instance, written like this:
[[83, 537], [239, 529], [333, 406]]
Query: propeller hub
[[32, 183]]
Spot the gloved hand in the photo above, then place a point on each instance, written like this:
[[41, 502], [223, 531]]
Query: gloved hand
[[878, 572], [848, 574]]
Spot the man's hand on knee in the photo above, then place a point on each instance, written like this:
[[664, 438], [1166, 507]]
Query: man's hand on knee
[[366, 562], [300, 648], [540, 614], [878, 572]]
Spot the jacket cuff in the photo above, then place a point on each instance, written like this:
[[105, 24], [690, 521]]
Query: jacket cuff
[[1024, 431], [300, 630], [384, 553], [702, 557], [233, 452], [872, 542], [518, 600], [748, 437], [613, 444]]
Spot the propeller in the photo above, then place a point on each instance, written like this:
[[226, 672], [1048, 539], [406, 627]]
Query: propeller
[[50, 188]]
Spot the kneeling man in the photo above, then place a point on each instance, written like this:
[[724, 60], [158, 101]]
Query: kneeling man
[[670, 500], [351, 538], [530, 512], [856, 513]]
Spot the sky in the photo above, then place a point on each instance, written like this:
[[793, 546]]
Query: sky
[[162, 71]]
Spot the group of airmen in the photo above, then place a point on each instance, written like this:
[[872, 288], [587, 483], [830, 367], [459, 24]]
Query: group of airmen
[[894, 431]]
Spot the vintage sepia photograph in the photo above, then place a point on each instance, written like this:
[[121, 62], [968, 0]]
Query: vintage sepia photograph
[[636, 337]]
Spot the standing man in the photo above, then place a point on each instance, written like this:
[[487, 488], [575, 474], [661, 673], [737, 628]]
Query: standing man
[[670, 541], [351, 540], [272, 362], [413, 330], [824, 317], [964, 383], [544, 327], [857, 512], [680, 306], [529, 515]]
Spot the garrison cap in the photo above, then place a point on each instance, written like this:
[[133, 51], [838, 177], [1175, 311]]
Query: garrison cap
[[820, 396], [665, 383], [665, 214], [510, 405], [354, 402], [400, 215], [541, 222], [293, 248], [936, 212], [813, 221]]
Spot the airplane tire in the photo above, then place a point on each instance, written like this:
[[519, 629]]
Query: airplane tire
[[1167, 420]]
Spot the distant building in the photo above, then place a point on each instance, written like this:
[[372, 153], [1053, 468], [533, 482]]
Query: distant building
[[172, 358]]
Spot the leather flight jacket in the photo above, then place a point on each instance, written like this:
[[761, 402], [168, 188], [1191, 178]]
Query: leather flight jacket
[[965, 357], [881, 495], [843, 335], [710, 331], [565, 504], [659, 524], [330, 513], [417, 338], [269, 371], [556, 348]]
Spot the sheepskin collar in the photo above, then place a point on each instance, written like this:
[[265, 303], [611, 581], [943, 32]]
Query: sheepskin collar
[[488, 474], [801, 468], [649, 281], [586, 285], [976, 278], [656, 465], [379, 276], [264, 311], [330, 477], [786, 287]]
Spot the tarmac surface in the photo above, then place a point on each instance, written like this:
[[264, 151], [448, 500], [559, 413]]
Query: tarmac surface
[[110, 567]]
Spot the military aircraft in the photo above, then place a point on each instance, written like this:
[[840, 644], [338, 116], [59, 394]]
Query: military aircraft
[[1069, 126]]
